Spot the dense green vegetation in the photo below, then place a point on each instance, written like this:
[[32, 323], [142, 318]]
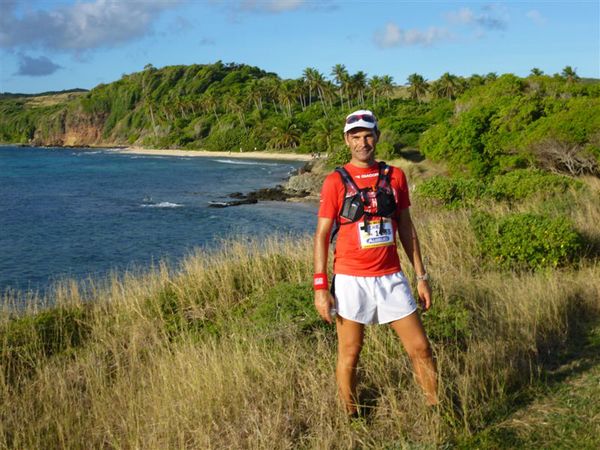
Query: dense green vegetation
[[482, 124], [516, 122], [514, 186], [525, 240]]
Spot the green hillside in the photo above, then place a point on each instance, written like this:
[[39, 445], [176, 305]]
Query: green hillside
[[484, 124]]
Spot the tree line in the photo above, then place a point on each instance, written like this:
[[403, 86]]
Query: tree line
[[239, 107]]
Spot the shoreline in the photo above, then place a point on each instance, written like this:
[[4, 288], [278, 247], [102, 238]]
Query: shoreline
[[206, 153], [178, 152]]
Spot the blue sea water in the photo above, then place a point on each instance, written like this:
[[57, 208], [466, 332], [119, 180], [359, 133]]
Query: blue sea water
[[80, 212]]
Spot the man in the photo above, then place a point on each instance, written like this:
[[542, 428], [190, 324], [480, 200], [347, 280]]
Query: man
[[368, 202]]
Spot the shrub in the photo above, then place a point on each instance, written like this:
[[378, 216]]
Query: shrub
[[340, 156], [525, 241], [450, 323], [516, 185], [286, 305], [385, 150], [24, 340], [451, 192], [226, 139], [523, 183], [574, 159]]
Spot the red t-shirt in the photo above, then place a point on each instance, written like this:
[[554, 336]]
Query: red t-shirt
[[361, 251]]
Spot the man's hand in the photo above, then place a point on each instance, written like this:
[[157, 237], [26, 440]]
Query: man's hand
[[323, 303], [424, 291]]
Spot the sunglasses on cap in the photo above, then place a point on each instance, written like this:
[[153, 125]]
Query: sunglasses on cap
[[356, 117]]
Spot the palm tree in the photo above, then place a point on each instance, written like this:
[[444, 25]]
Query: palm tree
[[326, 130], [358, 84], [234, 105], [300, 92], [328, 89], [569, 74], [309, 75], [190, 104], [341, 77], [492, 76], [320, 84], [374, 84], [387, 87], [180, 104], [475, 80], [448, 86], [285, 134], [417, 86], [255, 93], [536, 72], [208, 102], [271, 86], [287, 95], [147, 74]]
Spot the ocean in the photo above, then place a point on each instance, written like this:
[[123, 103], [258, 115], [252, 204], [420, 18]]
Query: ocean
[[79, 213]]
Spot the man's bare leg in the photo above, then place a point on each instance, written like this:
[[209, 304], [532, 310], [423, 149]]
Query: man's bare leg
[[350, 340], [412, 335]]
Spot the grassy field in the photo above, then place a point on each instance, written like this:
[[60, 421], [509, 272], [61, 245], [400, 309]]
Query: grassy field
[[51, 100], [226, 351]]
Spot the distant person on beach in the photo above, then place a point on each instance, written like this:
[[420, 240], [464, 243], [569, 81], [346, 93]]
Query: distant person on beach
[[366, 204]]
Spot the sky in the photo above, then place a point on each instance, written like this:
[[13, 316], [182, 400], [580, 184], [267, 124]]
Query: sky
[[64, 44]]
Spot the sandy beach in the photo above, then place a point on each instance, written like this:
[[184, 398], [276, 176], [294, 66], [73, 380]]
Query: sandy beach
[[204, 153]]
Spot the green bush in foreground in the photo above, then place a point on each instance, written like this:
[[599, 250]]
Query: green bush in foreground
[[451, 192], [286, 305], [521, 184], [524, 183], [25, 339], [526, 241]]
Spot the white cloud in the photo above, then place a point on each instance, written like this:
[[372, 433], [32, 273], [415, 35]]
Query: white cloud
[[81, 26], [536, 17], [462, 16], [274, 6], [284, 5], [491, 17], [36, 67], [394, 36]]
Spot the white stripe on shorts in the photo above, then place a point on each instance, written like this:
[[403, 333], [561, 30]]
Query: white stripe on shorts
[[368, 300]]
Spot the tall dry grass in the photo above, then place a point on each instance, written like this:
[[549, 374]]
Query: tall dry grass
[[176, 357]]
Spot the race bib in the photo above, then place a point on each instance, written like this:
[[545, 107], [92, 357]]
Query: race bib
[[376, 233]]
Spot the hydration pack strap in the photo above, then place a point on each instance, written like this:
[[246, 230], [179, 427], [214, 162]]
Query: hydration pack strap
[[347, 179], [383, 180]]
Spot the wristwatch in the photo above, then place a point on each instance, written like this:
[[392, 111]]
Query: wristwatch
[[423, 277]]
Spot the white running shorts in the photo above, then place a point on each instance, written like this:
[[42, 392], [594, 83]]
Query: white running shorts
[[369, 300]]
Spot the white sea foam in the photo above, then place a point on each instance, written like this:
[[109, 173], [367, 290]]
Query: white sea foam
[[149, 157], [245, 163], [161, 205]]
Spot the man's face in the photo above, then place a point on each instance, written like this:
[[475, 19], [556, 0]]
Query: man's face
[[362, 143]]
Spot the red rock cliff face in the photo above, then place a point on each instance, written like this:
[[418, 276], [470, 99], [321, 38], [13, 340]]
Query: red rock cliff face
[[71, 129], [82, 132]]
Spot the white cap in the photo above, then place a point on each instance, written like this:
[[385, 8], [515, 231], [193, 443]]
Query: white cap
[[363, 118]]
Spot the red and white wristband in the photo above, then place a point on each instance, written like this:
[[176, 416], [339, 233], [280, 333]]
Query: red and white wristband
[[320, 281]]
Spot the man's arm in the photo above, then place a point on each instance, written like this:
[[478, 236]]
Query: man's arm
[[323, 298], [410, 244]]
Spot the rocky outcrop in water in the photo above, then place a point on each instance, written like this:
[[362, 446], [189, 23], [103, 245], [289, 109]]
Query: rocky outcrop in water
[[303, 184], [277, 193]]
